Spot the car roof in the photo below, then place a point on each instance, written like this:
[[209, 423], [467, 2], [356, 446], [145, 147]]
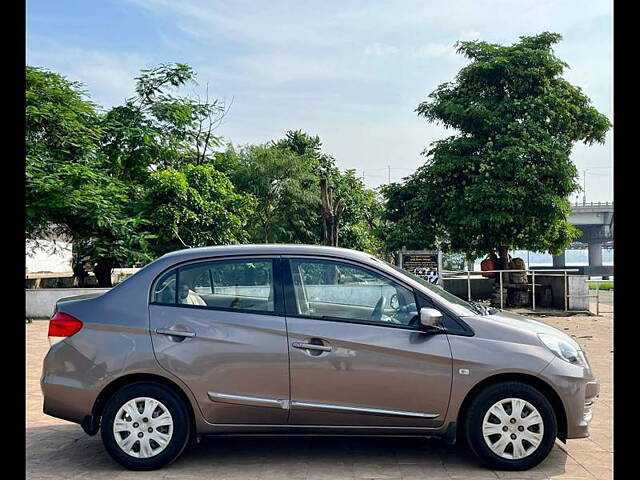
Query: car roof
[[265, 249]]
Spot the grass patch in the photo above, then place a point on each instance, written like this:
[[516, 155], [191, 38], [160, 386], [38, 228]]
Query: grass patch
[[603, 285]]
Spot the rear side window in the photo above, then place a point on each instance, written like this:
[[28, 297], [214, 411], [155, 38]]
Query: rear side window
[[226, 284]]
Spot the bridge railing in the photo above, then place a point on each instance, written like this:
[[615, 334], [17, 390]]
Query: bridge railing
[[592, 204]]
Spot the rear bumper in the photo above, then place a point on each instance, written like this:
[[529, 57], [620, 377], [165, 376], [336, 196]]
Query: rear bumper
[[64, 401], [65, 394]]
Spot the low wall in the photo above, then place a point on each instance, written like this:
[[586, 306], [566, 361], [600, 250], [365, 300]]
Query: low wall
[[40, 302], [66, 279]]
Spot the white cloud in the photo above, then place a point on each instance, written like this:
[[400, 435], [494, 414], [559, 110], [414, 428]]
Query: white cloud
[[380, 50], [433, 50], [352, 72], [107, 76]]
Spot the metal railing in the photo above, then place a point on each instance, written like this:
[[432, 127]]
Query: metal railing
[[597, 294], [591, 204], [545, 272]]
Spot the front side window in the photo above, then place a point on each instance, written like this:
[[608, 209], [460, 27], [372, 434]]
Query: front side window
[[225, 284], [335, 290]]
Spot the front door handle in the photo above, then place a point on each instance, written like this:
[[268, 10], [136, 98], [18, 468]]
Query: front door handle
[[175, 333], [311, 346]]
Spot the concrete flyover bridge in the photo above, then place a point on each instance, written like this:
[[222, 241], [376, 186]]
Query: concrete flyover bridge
[[595, 221]]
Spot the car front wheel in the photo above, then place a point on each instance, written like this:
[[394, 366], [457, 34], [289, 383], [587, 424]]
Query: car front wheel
[[511, 426], [145, 426]]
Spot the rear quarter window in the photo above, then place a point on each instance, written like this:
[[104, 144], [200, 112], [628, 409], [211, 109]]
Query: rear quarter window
[[165, 289]]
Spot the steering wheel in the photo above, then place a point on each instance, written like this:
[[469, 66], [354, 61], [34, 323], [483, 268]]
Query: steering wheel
[[376, 315]]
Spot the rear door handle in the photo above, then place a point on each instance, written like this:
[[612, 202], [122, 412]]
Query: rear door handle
[[175, 333], [311, 346]]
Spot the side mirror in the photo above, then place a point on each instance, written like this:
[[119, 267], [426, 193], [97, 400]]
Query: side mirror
[[430, 319]]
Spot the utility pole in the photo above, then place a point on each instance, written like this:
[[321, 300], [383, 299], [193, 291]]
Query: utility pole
[[389, 169], [584, 187]]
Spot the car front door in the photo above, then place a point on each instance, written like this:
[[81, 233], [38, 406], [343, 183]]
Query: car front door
[[219, 326], [357, 354]]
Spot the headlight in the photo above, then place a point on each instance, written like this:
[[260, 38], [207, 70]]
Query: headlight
[[565, 350]]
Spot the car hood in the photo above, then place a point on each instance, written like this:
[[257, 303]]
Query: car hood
[[526, 325]]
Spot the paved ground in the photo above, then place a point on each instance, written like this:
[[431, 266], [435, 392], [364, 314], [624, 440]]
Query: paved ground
[[57, 449]]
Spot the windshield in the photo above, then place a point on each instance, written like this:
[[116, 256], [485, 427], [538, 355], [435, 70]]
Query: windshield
[[462, 307]]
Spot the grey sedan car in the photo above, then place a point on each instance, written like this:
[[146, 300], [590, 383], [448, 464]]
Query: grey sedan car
[[293, 339]]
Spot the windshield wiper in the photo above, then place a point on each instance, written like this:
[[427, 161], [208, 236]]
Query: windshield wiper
[[481, 309]]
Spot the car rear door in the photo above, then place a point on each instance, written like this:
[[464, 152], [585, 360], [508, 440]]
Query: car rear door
[[219, 326], [354, 361]]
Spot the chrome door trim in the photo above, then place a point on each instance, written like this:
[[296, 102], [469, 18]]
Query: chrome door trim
[[248, 400], [295, 405]]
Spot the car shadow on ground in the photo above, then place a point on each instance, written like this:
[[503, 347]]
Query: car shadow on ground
[[65, 451]]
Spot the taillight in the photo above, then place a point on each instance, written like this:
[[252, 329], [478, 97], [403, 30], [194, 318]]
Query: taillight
[[63, 325]]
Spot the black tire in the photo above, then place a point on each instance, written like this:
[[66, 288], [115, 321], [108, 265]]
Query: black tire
[[179, 415], [481, 404]]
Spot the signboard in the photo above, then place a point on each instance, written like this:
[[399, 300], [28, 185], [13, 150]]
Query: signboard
[[423, 263]]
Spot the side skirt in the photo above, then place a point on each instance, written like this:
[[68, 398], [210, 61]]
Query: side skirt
[[319, 430]]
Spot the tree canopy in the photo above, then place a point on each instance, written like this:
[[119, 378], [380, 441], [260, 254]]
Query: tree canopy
[[146, 177], [151, 175], [502, 181]]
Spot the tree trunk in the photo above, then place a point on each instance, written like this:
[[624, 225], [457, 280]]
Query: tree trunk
[[102, 271], [503, 257], [331, 213], [79, 273]]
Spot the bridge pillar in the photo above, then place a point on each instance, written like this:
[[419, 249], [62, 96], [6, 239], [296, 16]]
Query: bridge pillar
[[595, 254], [558, 261]]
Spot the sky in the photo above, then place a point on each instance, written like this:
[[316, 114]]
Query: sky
[[352, 72]]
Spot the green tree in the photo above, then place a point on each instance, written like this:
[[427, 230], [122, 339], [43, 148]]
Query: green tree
[[70, 192], [61, 127], [278, 179], [155, 128], [360, 222], [349, 212], [194, 206], [503, 181], [105, 180]]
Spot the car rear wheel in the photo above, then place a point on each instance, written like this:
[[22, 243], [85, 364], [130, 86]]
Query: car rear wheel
[[145, 426], [510, 426]]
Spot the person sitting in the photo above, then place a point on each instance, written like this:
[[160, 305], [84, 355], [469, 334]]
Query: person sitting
[[187, 296]]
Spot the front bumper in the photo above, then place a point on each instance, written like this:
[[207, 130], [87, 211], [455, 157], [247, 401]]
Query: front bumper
[[578, 390]]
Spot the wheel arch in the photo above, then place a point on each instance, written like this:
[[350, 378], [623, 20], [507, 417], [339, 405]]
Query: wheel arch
[[91, 424], [536, 382]]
